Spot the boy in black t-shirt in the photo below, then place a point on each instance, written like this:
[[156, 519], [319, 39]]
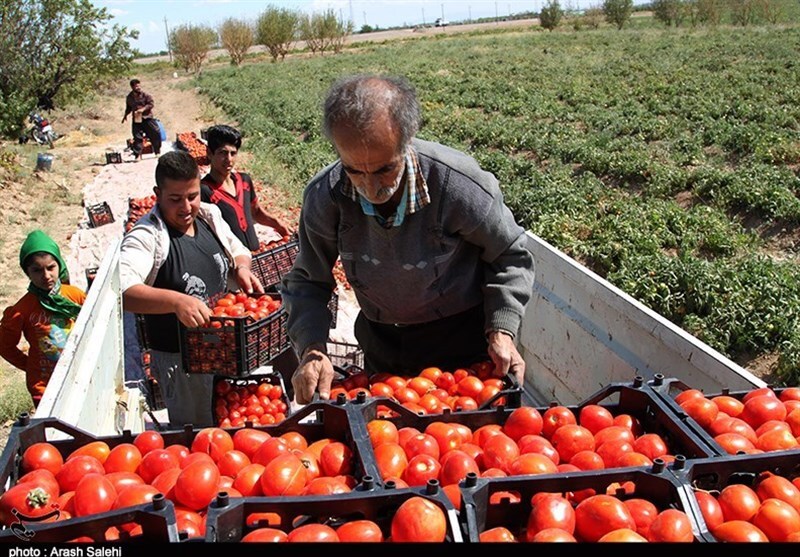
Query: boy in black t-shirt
[[232, 191]]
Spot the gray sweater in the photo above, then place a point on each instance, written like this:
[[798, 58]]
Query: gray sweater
[[462, 249]]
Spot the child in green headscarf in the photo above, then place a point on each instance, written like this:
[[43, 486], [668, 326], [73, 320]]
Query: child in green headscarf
[[44, 316]]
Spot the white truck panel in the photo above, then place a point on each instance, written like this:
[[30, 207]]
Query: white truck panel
[[581, 333], [87, 388]]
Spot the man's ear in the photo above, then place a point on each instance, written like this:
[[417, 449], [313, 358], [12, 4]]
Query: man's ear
[[157, 191]]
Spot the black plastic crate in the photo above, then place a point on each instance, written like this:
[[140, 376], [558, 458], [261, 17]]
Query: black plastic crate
[[492, 502], [343, 354], [333, 307], [99, 214], [231, 519], [114, 157], [250, 385], [91, 274], [715, 473], [271, 265], [234, 346]]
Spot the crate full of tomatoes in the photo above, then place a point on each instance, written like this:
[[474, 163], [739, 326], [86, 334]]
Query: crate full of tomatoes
[[99, 214], [274, 259], [137, 208], [259, 399], [244, 334], [188, 141]]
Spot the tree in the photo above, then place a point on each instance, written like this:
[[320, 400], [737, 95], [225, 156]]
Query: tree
[[236, 36], [551, 15], [191, 44], [593, 16], [618, 12], [276, 29], [669, 12], [706, 12], [53, 52], [335, 31], [743, 12]]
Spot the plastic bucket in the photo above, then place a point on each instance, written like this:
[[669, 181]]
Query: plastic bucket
[[44, 161]]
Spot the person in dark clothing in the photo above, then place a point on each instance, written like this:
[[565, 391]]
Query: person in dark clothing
[[233, 192], [144, 123]]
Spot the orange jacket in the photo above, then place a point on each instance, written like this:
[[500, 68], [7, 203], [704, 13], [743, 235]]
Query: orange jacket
[[45, 333]]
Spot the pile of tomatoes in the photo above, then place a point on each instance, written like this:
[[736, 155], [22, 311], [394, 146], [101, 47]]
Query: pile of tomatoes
[[432, 391], [239, 304], [237, 401], [137, 208], [761, 420], [188, 141]]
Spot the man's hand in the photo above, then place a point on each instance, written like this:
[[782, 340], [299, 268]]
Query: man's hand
[[191, 311], [505, 356], [247, 280], [315, 373]]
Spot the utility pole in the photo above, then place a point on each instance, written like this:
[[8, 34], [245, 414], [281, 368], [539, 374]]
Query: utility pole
[[169, 43], [470, 13], [365, 18], [496, 19], [351, 14], [423, 16], [442, 12]]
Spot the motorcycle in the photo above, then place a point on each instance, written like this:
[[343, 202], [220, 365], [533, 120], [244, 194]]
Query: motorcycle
[[41, 131]]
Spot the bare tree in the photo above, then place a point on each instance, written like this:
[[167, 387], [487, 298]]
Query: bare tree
[[191, 44], [276, 29], [770, 10], [236, 36], [743, 12]]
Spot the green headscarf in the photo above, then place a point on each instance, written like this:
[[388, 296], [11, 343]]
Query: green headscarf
[[38, 241]]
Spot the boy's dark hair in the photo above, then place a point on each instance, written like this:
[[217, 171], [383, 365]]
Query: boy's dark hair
[[176, 165], [219, 135], [134, 82]]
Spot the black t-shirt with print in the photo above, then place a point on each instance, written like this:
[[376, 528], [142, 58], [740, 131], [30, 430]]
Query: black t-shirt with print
[[237, 211], [196, 265]]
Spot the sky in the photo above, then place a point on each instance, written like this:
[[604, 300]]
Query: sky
[[148, 16]]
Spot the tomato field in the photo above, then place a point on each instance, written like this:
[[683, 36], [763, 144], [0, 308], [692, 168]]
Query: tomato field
[[665, 160]]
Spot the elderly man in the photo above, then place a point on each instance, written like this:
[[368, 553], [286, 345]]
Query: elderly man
[[437, 262]]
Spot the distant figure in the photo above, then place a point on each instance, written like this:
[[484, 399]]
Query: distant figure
[[144, 123], [44, 316]]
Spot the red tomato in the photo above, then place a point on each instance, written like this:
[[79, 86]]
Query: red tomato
[[146, 441], [612, 451], [549, 535], [554, 417], [420, 469], [497, 534], [41, 455], [571, 438], [232, 462], [761, 391], [622, 535], [777, 519], [538, 444], [311, 463], [629, 422], [313, 533], [595, 417], [738, 531], [125, 457], [324, 485], [134, 494], [456, 465], [421, 385], [74, 469], [418, 520], [780, 439], [613, 433], [156, 461], [728, 404], [213, 441], [702, 410], [683, 396], [28, 498], [734, 443], [180, 451], [738, 502], [391, 459], [643, 513], [284, 475], [270, 449], [248, 480], [779, 487], [652, 445], [260, 535], [482, 434], [98, 449], [446, 435], [94, 494], [671, 525], [525, 420], [710, 509], [121, 480], [165, 483], [598, 515], [196, 485], [382, 431], [500, 451], [760, 409], [336, 458], [422, 443], [359, 531], [588, 460], [550, 510]]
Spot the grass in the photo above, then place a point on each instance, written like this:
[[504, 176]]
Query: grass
[[15, 399]]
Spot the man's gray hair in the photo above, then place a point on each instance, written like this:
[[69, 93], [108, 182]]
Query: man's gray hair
[[358, 100]]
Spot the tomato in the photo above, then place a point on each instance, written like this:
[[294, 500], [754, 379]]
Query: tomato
[[421, 385], [622, 535], [28, 498], [445, 381], [633, 459], [74, 469], [213, 441], [420, 469], [470, 386], [418, 520], [652, 445], [500, 451], [551, 535], [125, 457], [421, 443], [98, 449], [93, 494], [191, 458], [196, 485], [456, 464], [382, 431], [778, 487], [571, 438], [381, 389], [270, 449], [776, 440], [554, 417], [180, 451], [132, 495], [41, 455], [671, 525], [495, 473], [359, 531], [728, 404], [643, 513], [734, 443], [313, 533], [446, 435], [701, 410], [465, 404], [598, 515], [612, 451], [761, 391], [738, 531], [613, 433], [391, 459], [540, 445], [587, 460], [284, 475], [146, 441], [525, 420], [760, 409], [248, 480], [710, 509], [155, 462], [296, 440], [232, 462], [336, 458], [738, 502], [497, 534], [260, 535], [595, 417], [324, 485], [777, 519], [683, 396], [550, 510], [482, 434], [121, 480]]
